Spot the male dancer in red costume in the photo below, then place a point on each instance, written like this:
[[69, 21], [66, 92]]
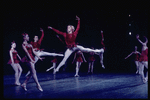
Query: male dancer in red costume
[[70, 38]]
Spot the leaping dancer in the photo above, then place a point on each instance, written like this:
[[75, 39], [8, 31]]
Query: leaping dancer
[[70, 38]]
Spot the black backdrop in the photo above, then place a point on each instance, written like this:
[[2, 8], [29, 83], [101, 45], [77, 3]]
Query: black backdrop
[[110, 16]]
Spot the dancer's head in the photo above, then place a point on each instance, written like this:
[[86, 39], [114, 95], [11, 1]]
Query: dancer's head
[[13, 44], [36, 38], [25, 36], [135, 48], [70, 29]]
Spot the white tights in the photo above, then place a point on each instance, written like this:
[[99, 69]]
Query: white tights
[[78, 47], [18, 70]]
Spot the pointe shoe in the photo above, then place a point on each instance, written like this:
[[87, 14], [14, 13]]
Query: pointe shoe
[[56, 70], [24, 87], [76, 75], [103, 66], [137, 72], [47, 70], [17, 83], [27, 74], [39, 88]]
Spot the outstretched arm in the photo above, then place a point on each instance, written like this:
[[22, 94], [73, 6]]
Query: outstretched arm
[[19, 56], [57, 31], [129, 55]]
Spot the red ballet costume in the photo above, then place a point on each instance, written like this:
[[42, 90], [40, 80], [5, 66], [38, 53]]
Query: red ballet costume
[[79, 57], [91, 58], [26, 58], [69, 38], [54, 60], [14, 54], [137, 56], [38, 43], [144, 56]]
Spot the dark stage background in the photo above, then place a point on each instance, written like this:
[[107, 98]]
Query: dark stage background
[[110, 16]]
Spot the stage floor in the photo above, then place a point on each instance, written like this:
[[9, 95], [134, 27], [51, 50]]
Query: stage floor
[[65, 85]]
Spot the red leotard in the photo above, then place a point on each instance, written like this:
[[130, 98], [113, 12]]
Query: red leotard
[[69, 38], [54, 60], [26, 58], [91, 57], [137, 56], [38, 43], [144, 56], [14, 54], [79, 57]]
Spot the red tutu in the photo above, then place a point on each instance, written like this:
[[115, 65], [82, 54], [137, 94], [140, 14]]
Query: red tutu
[[144, 56], [14, 58]]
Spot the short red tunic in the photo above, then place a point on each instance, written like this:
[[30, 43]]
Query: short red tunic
[[79, 57], [14, 54], [144, 55], [26, 58], [91, 57], [69, 38], [137, 57], [54, 60]]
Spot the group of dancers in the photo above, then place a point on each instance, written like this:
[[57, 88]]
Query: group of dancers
[[141, 59], [34, 53]]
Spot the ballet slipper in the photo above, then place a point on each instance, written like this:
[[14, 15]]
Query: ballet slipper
[[40, 88], [76, 75], [24, 87], [103, 66]]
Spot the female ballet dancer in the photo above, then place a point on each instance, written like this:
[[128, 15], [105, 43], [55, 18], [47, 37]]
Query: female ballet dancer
[[14, 62], [78, 57], [29, 59], [70, 38], [143, 60], [137, 53], [91, 62], [54, 61], [36, 47]]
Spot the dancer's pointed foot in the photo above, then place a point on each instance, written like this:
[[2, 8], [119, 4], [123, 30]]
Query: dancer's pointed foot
[[137, 72], [40, 88], [47, 70], [24, 86], [17, 83], [56, 70], [27, 73], [103, 66], [144, 80], [76, 75], [99, 51]]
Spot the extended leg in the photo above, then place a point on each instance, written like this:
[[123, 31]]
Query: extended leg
[[137, 66], [141, 70], [14, 66], [66, 56]]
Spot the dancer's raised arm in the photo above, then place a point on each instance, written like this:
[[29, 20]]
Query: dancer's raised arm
[[137, 36], [78, 25], [83, 57], [40, 40]]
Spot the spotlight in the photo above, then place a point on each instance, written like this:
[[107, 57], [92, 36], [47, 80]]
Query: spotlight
[[129, 33]]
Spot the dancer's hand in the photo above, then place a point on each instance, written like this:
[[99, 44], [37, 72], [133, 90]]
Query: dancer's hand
[[77, 18], [49, 27], [137, 36], [41, 29]]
